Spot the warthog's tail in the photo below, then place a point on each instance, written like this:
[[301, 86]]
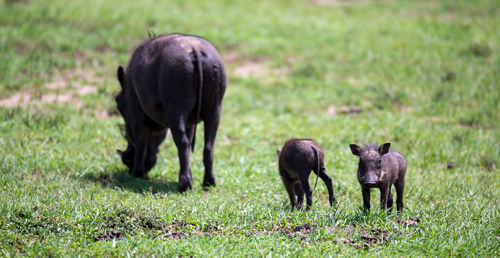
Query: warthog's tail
[[199, 94], [318, 167]]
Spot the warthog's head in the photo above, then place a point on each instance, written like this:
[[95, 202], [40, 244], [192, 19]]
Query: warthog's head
[[127, 155], [370, 163], [120, 98]]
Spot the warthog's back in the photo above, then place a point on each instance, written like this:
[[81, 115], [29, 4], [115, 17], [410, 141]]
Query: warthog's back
[[299, 154], [394, 165], [148, 53], [176, 71]]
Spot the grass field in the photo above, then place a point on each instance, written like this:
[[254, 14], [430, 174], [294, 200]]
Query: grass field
[[423, 75]]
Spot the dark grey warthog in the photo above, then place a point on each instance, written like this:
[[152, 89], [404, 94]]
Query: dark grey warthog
[[380, 168], [296, 160], [171, 82]]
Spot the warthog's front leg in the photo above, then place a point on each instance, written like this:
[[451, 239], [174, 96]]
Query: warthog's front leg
[[155, 139], [366, 197], [141, 146]]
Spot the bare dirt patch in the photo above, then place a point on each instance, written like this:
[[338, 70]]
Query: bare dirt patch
[[451, 165], [250, 69], [86, 90], [404, 108], [57, 98], [368, 238], [173, 230], [297, 231], [335, 3], [177, 224], [62, 88], [343, 110], [410, 222], [17, 99], [254, 67], [348, 241], [228, 140], [230, 57], [114, 234], [173, 235], [73, 78], [180, 229], [101, 113], [355, 235], [301, 230]]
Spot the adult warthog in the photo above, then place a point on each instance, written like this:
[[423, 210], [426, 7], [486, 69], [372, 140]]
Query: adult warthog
[[171, 82]]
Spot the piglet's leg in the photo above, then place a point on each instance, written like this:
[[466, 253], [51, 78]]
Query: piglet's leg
[[300, 195], [390, 201], [400, 186], [304, 181], [384, 195], [289, 185], [366, 197], [329, 185]]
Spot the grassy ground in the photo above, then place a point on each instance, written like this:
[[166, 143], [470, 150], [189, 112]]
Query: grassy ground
[[423, 75]]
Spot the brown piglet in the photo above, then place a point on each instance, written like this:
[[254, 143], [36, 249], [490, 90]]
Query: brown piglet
[[296, 160], [380, 168]]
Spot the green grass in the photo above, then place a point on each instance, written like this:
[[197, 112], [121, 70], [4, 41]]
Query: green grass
[[424, 73]]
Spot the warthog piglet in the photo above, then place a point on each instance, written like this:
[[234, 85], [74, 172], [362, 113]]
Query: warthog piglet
[[296, 160], [380, 168]]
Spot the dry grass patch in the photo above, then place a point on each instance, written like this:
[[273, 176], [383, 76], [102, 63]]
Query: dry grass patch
[[254, 67], [66, 87]]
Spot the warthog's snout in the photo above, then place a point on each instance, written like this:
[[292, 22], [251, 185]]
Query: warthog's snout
[[370, 180], [370, 184]]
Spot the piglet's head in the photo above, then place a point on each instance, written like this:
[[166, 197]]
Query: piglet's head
[[370, 163]]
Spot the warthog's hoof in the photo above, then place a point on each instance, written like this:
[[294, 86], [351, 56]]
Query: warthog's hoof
[[184, 185], [208, 182], [137, 172]]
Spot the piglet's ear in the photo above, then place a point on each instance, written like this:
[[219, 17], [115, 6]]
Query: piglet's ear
[[355, 149], [119, 152], [384, 148], [121, 76], [278, 151]]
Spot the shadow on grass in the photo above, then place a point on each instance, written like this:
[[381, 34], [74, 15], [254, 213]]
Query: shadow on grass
[[123, 180]]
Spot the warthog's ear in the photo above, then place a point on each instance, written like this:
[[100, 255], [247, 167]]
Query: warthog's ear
[[121, 76], [384, 148], [119, 152], [355, 149], [278, 151]]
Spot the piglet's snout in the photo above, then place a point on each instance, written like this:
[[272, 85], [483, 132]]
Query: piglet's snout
[[370, 179]]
